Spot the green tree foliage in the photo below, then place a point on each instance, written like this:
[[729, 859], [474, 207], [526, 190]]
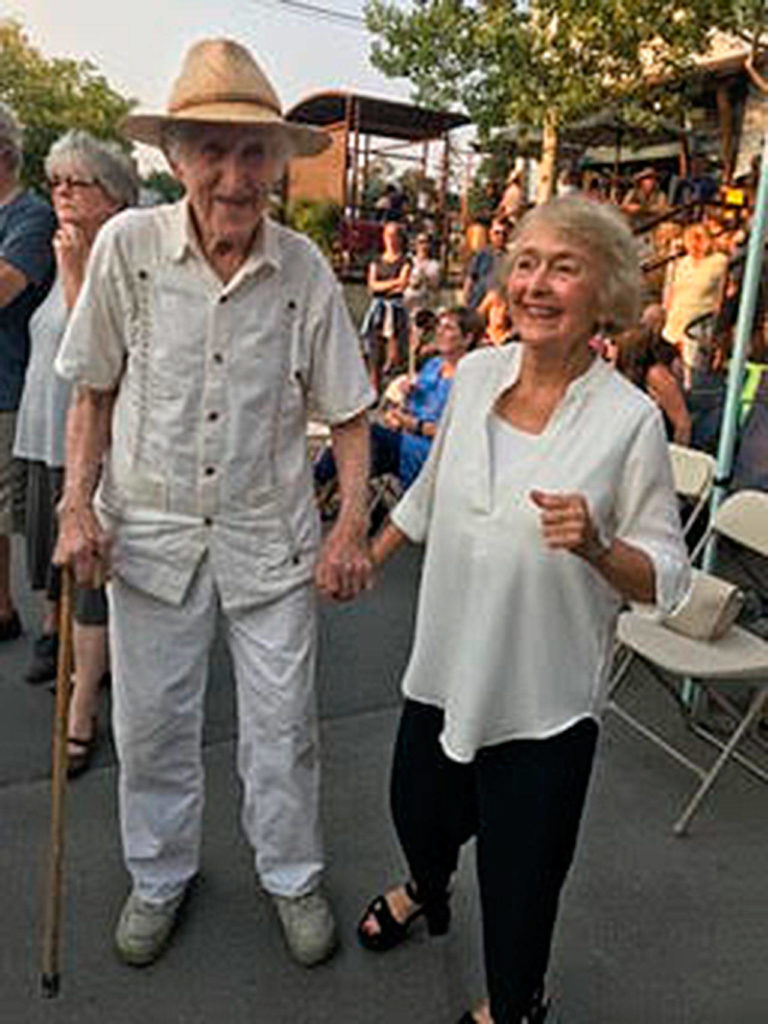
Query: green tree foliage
[[320, 220], [539, 63], [52, 95]]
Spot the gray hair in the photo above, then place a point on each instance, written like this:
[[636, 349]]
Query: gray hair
[[11, 134], [180, 135], [114, 170], [602, 232]]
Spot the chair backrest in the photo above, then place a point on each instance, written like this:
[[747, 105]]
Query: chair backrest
[[693, 473], [743, 517]]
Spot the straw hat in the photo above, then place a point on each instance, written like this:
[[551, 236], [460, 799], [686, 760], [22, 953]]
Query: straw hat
[[221, 83]]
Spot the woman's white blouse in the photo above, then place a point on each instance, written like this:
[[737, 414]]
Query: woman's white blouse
[[514, 640]]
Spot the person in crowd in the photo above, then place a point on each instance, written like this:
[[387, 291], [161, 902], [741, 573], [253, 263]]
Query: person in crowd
[[391, 205], [90, 181], [498, 322], [385, 325], [401, 443], [645, 200], [423, 286], [512, 204], [486, 265], [694, 287], [203, 335], [525, 492], [27, 224], [699, 186], [650, 363]]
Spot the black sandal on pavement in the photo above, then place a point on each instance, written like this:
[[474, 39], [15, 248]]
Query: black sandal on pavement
[[79, 761], [536, 1013], [392, 932]]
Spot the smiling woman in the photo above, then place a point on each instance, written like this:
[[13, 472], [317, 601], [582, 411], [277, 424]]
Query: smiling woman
[[546, 502]]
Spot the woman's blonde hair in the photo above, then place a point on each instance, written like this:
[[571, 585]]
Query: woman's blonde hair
[[603, 233]]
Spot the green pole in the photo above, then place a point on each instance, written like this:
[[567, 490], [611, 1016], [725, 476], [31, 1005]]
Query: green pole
[[742, 337]]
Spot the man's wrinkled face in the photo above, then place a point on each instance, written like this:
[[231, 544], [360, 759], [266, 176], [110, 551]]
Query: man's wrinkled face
[[228, 171]]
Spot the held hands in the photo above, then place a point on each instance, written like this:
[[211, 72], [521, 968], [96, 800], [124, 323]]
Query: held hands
[[82, 544], [567, 525], [344, 568]]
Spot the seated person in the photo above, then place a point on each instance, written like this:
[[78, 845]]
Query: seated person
[[401, 443]]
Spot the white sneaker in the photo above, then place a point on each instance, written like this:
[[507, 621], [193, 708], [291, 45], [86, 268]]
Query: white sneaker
[[144, 929], [308, 926]]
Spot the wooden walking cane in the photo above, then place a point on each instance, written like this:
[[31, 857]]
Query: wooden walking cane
[[53, 900]]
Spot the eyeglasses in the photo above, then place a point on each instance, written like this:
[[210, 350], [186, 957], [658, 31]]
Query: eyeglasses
[[55, 182]]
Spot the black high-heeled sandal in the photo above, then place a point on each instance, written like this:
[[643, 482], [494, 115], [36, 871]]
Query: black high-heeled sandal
[[436, 912], [535, 1014]]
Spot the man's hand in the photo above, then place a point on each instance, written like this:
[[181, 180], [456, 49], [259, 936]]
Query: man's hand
[[344, 566], [567, 525], [82, 544]]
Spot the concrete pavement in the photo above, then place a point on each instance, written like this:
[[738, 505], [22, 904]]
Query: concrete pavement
[[653, 929]]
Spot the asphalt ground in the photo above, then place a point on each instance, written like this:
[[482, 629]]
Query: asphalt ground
[[653, 929]]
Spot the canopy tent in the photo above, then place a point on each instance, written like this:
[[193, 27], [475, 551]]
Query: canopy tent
[[340, 175]]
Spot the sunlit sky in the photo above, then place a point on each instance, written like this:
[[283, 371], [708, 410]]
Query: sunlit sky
[[138, 44]]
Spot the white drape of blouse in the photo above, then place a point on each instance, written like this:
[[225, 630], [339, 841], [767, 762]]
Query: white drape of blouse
[[514, 640]]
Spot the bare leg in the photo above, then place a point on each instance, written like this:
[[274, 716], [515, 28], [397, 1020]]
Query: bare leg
[[90, 650]]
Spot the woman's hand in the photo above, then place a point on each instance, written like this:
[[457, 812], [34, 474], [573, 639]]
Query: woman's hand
[[71, 248], [567, 524]]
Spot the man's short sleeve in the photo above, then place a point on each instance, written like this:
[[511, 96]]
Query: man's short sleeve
[[338, 385], [93, 349], [26, 242]]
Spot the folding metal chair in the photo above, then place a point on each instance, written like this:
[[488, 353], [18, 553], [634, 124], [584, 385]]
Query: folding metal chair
[[737, 657], [693, 473]]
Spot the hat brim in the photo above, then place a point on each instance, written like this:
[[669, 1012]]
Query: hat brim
[[149, 128]]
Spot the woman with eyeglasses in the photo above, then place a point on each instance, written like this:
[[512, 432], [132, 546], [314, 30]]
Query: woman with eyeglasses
[[89, 182]]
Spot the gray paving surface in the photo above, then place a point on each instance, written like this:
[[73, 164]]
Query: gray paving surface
[[653, 929]]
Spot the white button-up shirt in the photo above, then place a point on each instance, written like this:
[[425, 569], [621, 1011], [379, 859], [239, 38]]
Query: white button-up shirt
[[514, 640], [214, 387]]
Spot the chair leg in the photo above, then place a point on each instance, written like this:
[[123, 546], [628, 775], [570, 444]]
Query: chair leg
[[624, 657], [681, 825]]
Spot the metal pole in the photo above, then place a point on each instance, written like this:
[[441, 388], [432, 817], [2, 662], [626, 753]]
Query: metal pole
[[742, 337]]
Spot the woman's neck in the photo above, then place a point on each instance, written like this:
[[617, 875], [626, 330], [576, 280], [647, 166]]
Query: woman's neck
[[545, 368]]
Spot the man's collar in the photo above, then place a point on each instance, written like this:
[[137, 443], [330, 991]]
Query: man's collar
[[184, 240]]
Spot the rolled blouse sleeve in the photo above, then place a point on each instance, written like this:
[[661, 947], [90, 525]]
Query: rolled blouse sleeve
[[647, 512], [93, 348], [413, 513]]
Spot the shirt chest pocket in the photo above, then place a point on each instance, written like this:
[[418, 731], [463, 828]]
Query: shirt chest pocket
[[169, 337]]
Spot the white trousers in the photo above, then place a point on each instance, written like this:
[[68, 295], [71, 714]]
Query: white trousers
[[160, 667]]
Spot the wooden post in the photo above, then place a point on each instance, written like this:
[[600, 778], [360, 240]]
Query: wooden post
[[725, 116], [443, 219]]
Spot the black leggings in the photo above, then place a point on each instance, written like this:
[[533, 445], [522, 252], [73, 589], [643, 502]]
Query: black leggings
[[523, 801]]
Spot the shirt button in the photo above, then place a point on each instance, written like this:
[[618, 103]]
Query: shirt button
[[208, 521], [223, 298], [209, 470], [212, 417], [218, 357]]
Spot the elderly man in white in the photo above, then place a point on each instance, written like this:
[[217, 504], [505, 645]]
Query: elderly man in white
[[204, 336]]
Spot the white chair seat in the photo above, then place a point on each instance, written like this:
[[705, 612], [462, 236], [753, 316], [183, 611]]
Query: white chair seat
[[737, 655]]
